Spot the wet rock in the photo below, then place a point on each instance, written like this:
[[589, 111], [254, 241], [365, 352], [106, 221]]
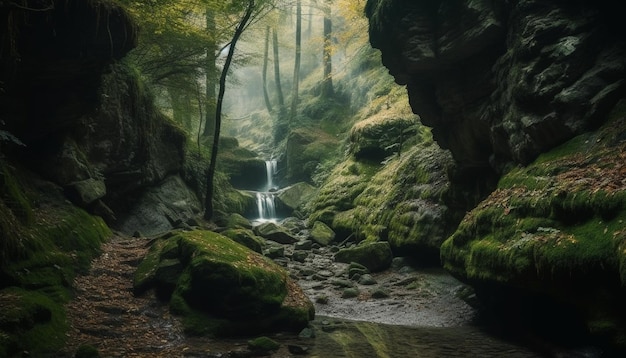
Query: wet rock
[[299, 255], [303, 245], [307, 332], [350, 292], [273, 232], [297, 350], [262, 345], [322, 234], [274, 252], [341, 283], [367, 280], [374, 256], [380, 293], [86, 191]]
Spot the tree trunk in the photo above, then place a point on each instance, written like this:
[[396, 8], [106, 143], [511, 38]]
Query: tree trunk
[[296, 67], [266, 96], [210, 75], [327, 82], [279, 87], [208, 201]]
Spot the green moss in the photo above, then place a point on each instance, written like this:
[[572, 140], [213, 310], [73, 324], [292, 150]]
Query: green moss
[[87, 351], [263, 344], [220, 287], [32, 321]]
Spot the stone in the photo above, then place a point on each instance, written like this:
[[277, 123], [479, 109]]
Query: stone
[[246, 238], [322, 234], [273, 232], [274, 252], [350, 292], [374, 256], [367, 280], [86, 191], [304, 245], [255, 295], [299, 255], [236, 220], [161, 207], [294, 196]]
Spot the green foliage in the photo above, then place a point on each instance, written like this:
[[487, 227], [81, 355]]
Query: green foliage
[[31, 321], [87, 351]]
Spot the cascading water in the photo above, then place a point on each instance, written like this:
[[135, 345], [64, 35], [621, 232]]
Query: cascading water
[[265, 199]]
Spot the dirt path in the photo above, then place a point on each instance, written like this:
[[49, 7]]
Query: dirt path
[[106, 314]]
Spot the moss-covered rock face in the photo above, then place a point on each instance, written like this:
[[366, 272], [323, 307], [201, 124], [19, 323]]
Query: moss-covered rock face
[[42, 250], [224, 288], [556, 228], [306, 149], [383, 134]]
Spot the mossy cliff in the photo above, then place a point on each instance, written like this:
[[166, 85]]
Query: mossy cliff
[[504, 85], [555, 230], [392, 187], [45, 242], [222, 288]]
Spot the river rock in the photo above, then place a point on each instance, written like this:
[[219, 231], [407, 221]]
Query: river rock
[[374, 256], [321, 233], [273, 232]]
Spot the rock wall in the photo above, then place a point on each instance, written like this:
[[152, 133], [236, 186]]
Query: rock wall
[[86, 121], [502, 82]]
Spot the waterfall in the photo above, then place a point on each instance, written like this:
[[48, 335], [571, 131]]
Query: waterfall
[[265, 199], [271, 167], [265, 204]]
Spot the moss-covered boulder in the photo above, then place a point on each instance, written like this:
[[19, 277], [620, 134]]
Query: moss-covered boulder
[[322, 234], [554, 230], [375, 256], [293, 197], [274, 232], [235, 221], [224, 288], [245, 237], [383, 134]]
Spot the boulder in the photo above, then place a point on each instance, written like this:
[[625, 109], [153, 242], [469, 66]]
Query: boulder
[[375, 256], [246, 238], [273, 232], [161, 208], [322, 234], [294, 197], [86, 191], [224, 289]]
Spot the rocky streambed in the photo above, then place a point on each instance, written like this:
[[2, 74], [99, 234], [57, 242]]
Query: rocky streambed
[[402, 311]]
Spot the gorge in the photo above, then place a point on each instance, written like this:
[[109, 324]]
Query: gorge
[[469, 202]]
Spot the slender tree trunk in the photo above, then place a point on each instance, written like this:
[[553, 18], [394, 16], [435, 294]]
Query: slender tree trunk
[[327, 82], [296, 67], [279, 87], [266, 96], [210, 75], [208, 201]]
